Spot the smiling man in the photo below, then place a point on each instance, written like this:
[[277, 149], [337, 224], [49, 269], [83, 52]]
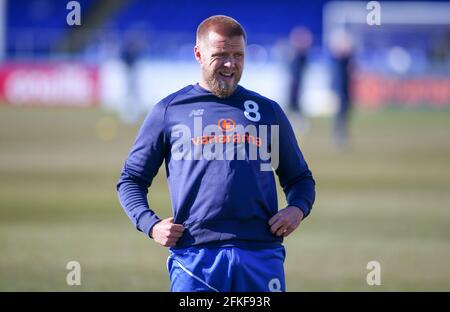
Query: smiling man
[[219, 142]]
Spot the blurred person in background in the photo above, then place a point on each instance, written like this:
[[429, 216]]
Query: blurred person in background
[[133, 48], [440, 53], [341, 48], [226, 232], [300, 39]]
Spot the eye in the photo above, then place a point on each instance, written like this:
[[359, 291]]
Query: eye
[[218, 55]]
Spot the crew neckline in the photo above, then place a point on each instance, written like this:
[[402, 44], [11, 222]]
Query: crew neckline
[[199, 88]]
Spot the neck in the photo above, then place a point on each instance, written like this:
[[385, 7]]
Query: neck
[[204, 85]]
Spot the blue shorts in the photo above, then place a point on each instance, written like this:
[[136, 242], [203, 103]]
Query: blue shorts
[[226, 269]]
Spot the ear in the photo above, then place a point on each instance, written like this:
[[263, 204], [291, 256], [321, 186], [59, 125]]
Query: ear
[[197, 54]]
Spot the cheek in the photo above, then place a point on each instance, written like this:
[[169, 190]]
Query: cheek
[[214, 63]]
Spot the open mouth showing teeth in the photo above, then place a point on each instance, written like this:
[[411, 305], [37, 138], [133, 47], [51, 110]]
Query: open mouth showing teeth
[[227, 75]]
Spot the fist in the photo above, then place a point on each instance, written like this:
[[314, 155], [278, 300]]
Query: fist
[[285, 221], [167, 233]]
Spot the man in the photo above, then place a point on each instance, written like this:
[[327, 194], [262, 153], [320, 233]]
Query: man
[[341, 47], [300, 39], [226, 232]]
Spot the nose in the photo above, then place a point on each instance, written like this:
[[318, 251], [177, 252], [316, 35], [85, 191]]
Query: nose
[[230, 62]]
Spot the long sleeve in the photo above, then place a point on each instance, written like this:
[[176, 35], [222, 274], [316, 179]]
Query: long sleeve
[[141, 166], [295, 177]]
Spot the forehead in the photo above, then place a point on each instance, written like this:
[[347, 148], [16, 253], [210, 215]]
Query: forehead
[[218, 41]]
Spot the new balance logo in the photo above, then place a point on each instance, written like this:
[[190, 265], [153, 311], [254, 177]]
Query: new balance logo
[[196, 112]]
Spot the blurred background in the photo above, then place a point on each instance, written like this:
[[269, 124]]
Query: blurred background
[[366, 86]]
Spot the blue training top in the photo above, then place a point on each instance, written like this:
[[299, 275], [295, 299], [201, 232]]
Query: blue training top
[[218, 166]]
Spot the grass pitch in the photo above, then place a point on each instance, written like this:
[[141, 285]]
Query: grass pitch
[[386, 199]]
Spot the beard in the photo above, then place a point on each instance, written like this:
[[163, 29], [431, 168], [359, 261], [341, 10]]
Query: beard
[[219, 86]]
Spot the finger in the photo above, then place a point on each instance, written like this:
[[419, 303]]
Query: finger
[[274, 228], [175, 235], [169, 242], [174, 241], [177, 228], [281, 230], [288, 232], [164, 243], [274, 219]]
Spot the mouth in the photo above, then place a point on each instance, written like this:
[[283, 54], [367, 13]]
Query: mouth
[[226, 75]]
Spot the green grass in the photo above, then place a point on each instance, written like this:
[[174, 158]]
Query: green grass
[[384, 199]]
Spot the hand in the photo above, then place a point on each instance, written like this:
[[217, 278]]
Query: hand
[[166, 233], [285, 221]]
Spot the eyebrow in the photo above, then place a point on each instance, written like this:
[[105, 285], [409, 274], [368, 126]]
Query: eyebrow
[[224, 53]]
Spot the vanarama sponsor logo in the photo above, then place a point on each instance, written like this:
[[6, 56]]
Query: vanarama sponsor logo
[[227, 125], [226, 140]]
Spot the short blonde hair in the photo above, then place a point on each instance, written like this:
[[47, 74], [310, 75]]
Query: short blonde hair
[[221, 24]]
